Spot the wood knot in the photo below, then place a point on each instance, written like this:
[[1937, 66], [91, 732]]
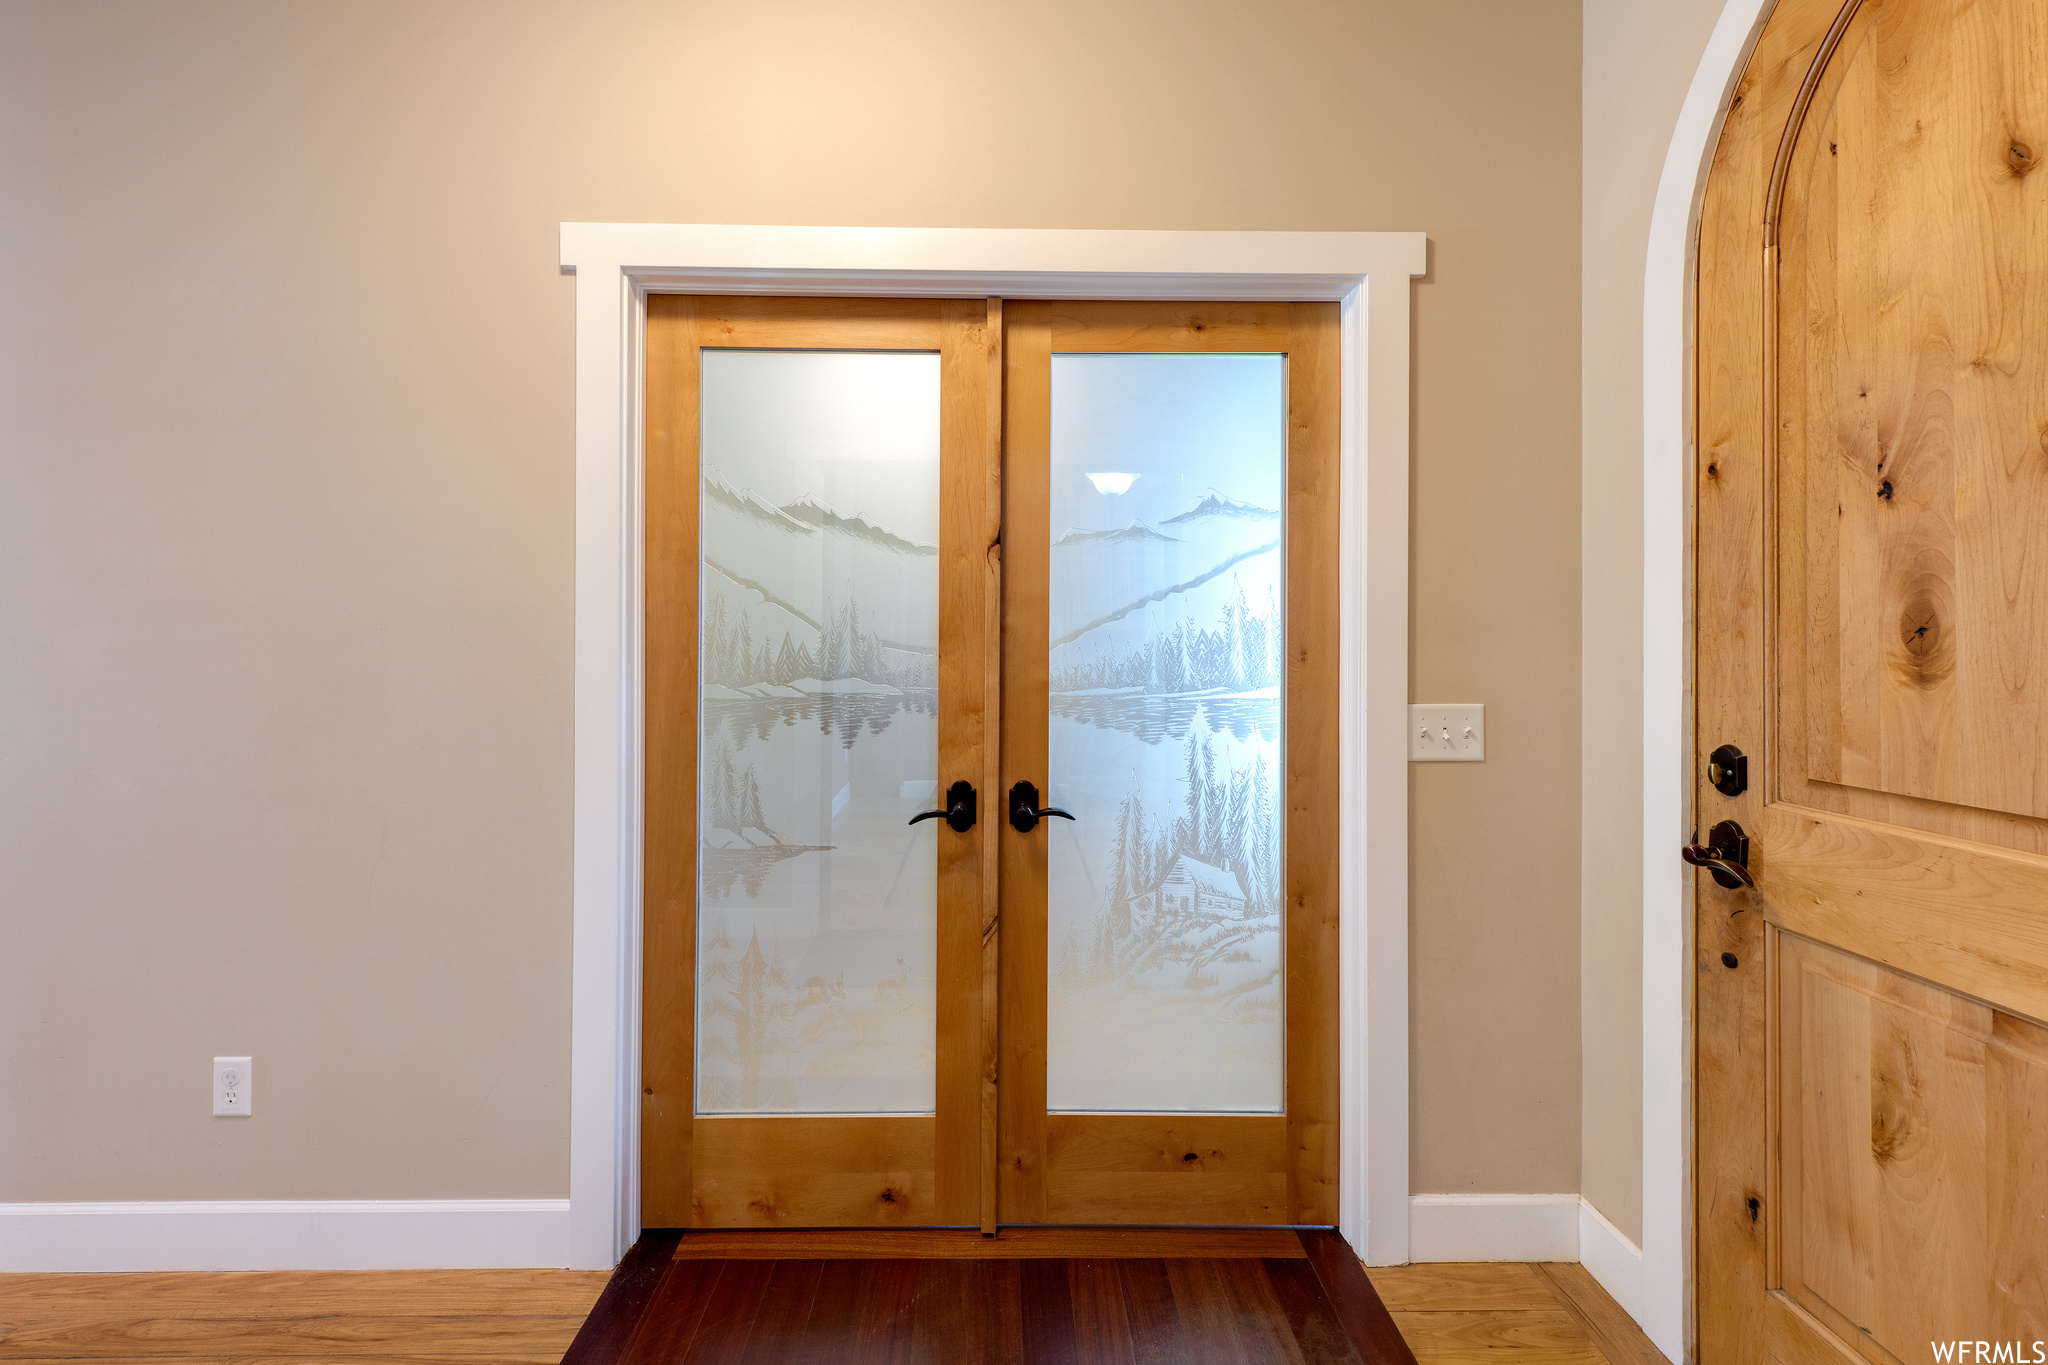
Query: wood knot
[[1893, 1134], [1921, 638], [1928, 655], [1192, 1156], [2019, 159], [1884, 490]]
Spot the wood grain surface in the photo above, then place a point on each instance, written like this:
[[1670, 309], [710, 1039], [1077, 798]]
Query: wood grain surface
[[1304, 1303], [1914, 1181], [1869, 490], [668, 978], [1027, 542], [874, 1172], [1082, 1295], [991, 1155], [1016, 1243], [1094, 1168], [970, 520], [472, 1316]]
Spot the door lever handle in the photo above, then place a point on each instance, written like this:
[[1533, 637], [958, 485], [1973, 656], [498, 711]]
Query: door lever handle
[[959, 811], [1725, 854], [1024, 810]]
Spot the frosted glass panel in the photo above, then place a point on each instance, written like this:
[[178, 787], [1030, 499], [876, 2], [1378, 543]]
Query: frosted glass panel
[[819, 647], [1168, 473]]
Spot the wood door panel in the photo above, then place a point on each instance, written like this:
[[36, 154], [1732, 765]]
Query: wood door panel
[[1912, 1143], [1194, 1144], [968, 521], [1312, 831], [668, 1009], [1207, 1168], [1731, 1174], [1021, 928], [1871, 616], [1102, 1167], [766, 1171], [990, 1148], [1118, 326], [786, 1171], [1914, 572], [1953, 912], [1793, 1336], [832, 324]]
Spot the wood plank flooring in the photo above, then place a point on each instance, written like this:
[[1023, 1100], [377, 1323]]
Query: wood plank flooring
[[1133, 1296], [365, 1317], [1510, 1312]]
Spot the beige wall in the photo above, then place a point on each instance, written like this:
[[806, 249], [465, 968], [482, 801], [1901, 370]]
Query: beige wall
[[285, 496], [1639, 61]]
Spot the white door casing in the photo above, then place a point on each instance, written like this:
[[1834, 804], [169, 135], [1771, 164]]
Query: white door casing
[[617, 265]]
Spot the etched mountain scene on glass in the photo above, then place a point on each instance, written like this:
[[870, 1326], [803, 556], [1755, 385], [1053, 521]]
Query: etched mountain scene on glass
[[1168, 479], [817, 672]]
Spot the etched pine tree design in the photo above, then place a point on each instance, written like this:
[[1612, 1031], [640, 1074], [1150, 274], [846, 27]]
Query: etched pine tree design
[[732, 796], [752, 1009], [1192, 893], [1240, 654]]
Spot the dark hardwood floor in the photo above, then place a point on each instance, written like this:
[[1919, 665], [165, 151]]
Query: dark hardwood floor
[[1028, 1297]]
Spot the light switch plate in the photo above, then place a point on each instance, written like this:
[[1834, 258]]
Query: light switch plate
[[231, 1087], [1453, 733]]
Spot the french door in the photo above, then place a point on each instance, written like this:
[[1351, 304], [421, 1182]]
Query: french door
[[991, 769]]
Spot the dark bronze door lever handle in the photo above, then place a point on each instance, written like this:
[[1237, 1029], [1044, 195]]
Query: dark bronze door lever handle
[[959, 811], [1024, 811], [1725, 854]]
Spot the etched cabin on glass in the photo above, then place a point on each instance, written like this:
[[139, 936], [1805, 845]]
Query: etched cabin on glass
[[1193, 887]]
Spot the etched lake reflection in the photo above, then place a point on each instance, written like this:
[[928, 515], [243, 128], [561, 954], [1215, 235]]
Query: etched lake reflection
[[1166, 625], [817, 652]]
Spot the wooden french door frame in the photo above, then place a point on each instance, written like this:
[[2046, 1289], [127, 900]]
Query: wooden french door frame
[[1179, 1167], [730, 1170]]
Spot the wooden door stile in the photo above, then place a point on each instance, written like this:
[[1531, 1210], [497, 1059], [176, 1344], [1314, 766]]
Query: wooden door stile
[[992, 769], [1021, 929]]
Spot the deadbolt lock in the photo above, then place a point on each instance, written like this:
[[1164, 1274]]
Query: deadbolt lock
[[1728, 770]]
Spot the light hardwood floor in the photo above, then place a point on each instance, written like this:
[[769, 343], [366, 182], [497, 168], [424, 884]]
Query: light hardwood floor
[[424, 1316], [1509, 1312], [1504, 1313]]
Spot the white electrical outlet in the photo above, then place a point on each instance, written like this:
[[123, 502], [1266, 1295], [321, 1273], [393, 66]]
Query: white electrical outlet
[[231, 1077], [1446, 734]]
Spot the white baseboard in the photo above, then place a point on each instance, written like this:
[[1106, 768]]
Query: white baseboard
[[325, 1234], [1612, 1259], [1493, 1227]]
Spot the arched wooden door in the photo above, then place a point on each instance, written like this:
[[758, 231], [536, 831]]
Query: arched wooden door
[[1871, 493]]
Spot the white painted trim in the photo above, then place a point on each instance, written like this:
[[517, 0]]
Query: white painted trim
[[1528, 1227], [1612, 1259], [318, 1234], [618, 264], [1666, 1309], [1494, 1227]]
